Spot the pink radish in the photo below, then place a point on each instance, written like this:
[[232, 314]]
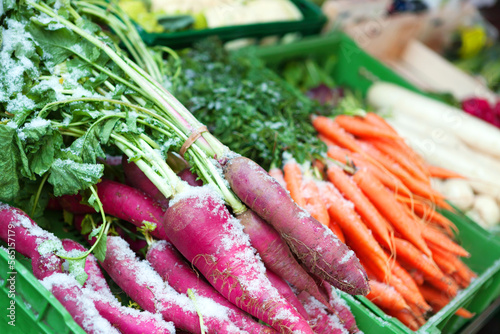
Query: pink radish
[[17, 229], [121, 201], [221, 251], [147, 289], [316, 246], [125, 319], [320, 319], [285, 290], [174, 269]]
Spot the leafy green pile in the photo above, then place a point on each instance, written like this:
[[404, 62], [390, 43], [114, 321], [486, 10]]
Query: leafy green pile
[[486, 64], [246, 105]]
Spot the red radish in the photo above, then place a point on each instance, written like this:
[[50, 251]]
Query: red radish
[[286, 291], [121, 201], [272, 249], [342, 310], [175, 270], [221, 251], [321, 321], [79, 304], [125, 319], [314, 244], [147, 289], [136, 178], [276, 255], [39, 245], [19, 231]]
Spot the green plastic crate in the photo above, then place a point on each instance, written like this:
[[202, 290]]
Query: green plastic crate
[[37, 311], [311, 23], [357, 70]]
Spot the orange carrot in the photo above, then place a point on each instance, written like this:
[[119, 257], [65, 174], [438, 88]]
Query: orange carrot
[[443, 173], [416, 186], [386, 296], [313, 202], [373, 219], [332, 131], [278, 175], [358, 127], [406, 318], [379, 121], [327, 200], [390, 149], [441, 240], [461, 312], [427, 213], [391, 209], [411, 256], [293, 179], [443, 260], [357, 235]]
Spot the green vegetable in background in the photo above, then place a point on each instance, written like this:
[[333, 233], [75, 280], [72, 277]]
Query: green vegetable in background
[[246, 105]]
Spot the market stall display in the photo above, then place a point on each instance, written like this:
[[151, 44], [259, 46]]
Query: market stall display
[[125, 159]]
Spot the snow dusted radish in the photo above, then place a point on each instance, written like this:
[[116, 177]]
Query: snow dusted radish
[[174, 269], [121, 201], [221, 251], [314, 244], [79, 304], [39, 245], [272, 249], [321, 321], [17, 229], [125, 319], [341, 310], [276, 255], [286, 291], [146, 288]]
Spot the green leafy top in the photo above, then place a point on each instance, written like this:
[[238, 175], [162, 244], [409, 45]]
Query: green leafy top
[[246, 105]]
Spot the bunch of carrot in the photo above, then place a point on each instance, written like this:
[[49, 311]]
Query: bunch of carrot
[[374, 193]]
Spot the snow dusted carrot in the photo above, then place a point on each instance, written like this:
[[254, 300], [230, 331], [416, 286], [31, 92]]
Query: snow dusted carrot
[[175, 270], [313, 243], [221, 251]]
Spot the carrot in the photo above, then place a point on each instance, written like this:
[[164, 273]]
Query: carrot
[[372, 218], [386, 297], [332, 131], [433, 236], [443, 173], [406, 285], [427, 213], [390, 149], [293, 181], [443, 259], [359, 127], [393, 211], [357, 235], [410, 255], [415, 185], [406, 318], [461, 312], [313, 202], [379, 121], [327, 200], [278, 175], [346, 157]]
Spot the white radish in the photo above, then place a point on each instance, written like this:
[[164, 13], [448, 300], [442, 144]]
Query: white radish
[[459, 192], [487, 209], [471, 130]]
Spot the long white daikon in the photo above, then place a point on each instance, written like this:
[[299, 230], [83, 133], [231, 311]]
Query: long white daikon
[[481, 176], [471, 130]]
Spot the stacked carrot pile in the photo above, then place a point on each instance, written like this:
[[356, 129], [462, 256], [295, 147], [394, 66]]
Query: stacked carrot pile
[[374, 192]]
